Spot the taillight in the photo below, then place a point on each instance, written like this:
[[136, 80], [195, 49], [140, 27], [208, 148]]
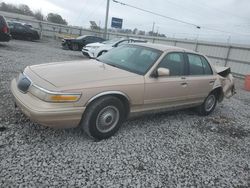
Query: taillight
[[5, 29]]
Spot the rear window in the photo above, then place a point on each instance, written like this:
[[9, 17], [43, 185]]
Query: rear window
[[198, 65]]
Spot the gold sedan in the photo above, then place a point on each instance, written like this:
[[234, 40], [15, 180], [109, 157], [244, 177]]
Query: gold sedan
[[100, 94]]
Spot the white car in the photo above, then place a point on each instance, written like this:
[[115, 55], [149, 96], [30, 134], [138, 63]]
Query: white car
[[94, 50]]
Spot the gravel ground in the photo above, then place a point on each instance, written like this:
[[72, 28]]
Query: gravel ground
[[176, 149]]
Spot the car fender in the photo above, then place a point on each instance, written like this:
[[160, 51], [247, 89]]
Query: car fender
[[107, 93]]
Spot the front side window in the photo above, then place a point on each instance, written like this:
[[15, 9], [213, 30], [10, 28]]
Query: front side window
[[133, 58], [122, 42], [20, 27], [112, 41], [175, 63], [198, 65]]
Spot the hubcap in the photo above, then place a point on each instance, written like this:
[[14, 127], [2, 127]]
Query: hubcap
[[210, 102], [107, 119]]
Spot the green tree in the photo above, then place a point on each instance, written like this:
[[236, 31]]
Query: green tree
[[25, 9], [38, 15], [56, 18]]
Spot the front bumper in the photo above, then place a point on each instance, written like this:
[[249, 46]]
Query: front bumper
[[87, 53], [56, 115]]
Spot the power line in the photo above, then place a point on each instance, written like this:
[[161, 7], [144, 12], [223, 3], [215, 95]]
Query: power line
[[178, 20], [221, 11], [157, 14]]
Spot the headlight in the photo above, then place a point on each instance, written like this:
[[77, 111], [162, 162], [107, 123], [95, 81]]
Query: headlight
[[50, 96]]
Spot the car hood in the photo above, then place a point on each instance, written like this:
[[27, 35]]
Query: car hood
[[76, 73], [96, 44]]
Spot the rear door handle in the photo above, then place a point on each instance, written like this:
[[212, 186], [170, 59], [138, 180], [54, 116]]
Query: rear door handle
[[211, 82]]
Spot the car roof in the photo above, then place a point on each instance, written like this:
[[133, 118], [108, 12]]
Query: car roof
[[163, 47], [16, 22]]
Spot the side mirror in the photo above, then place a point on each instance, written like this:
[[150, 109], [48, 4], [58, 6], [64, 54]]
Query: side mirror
[[163, 72], [115, 45]]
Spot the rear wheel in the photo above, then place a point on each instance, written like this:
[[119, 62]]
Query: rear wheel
[[30, 38], [208, 105], [103, 117], [75, 47]]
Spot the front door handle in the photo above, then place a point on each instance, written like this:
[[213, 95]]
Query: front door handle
[[184, 84]]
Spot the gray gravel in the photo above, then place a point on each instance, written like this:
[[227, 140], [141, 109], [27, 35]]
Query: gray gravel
[[176, 149]]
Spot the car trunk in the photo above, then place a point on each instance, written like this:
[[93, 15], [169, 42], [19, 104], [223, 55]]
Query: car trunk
[[227, 81]]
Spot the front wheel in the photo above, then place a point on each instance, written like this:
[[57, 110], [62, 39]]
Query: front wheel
[[103, 117], [208, 105]]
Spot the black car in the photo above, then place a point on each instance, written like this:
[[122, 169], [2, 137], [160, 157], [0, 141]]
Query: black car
[[4, 30], [78, 43], [23, 31]]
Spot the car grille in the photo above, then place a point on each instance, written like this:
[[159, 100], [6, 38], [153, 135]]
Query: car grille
[[23, 83]]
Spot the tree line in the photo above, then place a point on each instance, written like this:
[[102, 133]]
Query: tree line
[[25, 10]]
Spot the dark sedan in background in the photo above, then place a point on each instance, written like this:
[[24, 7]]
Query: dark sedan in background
[[78, 43], [4, 30], [23, 31]]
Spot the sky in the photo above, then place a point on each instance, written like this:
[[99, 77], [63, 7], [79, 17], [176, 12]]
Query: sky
[[220, 20]]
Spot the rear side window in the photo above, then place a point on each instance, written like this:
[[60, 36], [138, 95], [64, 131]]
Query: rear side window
[[198, 65], [175, 63], [2, 21], [206, 66]]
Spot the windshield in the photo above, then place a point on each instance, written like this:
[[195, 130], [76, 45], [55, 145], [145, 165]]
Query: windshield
[[133, 58], [81, 37], [112, 41]]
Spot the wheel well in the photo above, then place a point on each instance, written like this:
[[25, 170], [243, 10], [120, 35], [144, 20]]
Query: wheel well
[[219, 93], [122, 98], [101, 52]]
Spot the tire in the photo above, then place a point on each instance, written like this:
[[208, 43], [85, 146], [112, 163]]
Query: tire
[[29, 38], [101, 53], [208, 105], [103, 117], [75, 47]]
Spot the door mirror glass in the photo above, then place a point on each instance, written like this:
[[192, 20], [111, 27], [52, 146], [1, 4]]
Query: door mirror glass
[[163, 72]]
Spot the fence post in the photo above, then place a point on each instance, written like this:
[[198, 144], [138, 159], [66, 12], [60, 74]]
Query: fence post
[[228, 53], [196, 46], [41, 29]]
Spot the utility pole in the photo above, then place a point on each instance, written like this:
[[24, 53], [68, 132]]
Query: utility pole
[[106, 20], [153, 28]]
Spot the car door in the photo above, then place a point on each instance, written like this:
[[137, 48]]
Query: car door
[[21, 31], [168, 91], [15, 31], [200, 77]]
